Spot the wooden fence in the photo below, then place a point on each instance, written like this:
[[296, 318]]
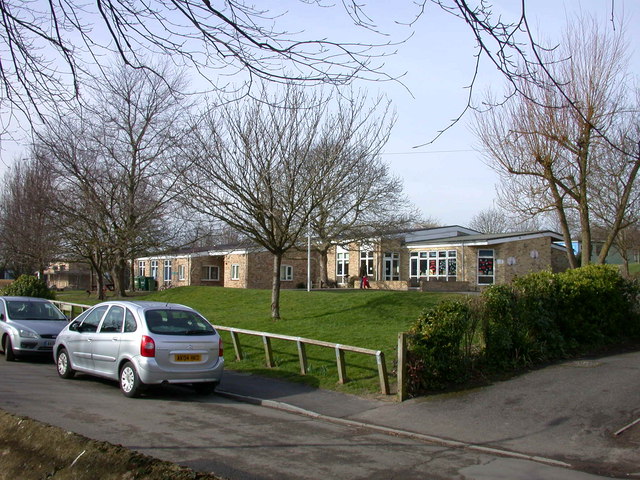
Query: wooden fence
[[70, 310], [302, 354]]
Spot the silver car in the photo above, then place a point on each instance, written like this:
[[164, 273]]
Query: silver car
[[29, 326], [141, 343]]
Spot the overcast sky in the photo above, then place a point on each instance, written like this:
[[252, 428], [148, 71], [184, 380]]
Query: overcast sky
[[447, 179]]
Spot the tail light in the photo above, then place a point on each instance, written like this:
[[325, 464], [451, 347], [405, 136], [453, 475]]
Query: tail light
[[220, 348], [147, 347]]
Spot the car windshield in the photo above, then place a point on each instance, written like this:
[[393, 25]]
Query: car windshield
[[30, 310], [177, 322]]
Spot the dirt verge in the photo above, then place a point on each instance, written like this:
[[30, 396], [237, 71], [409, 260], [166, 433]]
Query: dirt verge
[[31, 450]]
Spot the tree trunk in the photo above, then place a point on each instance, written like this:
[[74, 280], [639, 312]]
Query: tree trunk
[[119, 274], [275, 289], [324, 271]]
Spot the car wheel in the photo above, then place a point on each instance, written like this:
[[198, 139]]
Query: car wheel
[[64, 365], [9, 355], [205, 388], [130, 383]]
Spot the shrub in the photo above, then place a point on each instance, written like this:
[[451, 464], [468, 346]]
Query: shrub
[[28, 286], [441, 346], [538, 306], [598, 305], [538, 318]]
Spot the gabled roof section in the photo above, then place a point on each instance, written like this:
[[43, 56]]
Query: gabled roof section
[[483, 239]]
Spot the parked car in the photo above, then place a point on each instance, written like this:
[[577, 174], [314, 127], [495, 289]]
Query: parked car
[[140, 343], [29, 326]]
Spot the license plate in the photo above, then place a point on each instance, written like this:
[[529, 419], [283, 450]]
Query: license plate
[[188, 357]]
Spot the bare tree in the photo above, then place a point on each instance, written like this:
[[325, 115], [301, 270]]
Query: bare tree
[[28, 237], [121, 152], [490, 220], [252, 168], [549, 154], [49, 47]]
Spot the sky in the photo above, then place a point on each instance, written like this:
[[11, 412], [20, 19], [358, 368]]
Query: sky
[[447, 179]]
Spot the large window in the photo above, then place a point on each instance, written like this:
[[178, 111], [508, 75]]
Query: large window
[[366, 263], [154, 269], [342, 265], [211, 273], [486, 271], [391, 266], [142, 268], [434, 264], [286, 273], [167, 271]]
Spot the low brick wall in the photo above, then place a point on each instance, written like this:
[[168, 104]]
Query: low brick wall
[[441, 286], [385, 285]]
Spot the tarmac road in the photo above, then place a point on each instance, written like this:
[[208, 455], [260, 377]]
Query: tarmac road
[[554, 423]]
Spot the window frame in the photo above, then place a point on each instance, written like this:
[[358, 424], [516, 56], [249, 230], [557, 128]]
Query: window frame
[[209, 269], [483, 277], [167, 271], [286, 273], [235, 271]]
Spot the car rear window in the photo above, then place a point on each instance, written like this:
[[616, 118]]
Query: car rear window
[[177, 322]]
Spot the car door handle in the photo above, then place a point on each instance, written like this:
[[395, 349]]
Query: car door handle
[[115, 339]]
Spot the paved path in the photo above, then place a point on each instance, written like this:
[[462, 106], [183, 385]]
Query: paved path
[[567, 413]]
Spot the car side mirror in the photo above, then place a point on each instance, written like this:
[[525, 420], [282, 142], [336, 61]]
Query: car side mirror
[[1, 317], [74, 326]]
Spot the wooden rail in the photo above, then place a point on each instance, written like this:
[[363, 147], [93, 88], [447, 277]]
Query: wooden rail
[[68, 308], [302, 355], [268, 351]]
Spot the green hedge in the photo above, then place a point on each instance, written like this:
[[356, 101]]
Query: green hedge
[[538, 318], [28, 286]]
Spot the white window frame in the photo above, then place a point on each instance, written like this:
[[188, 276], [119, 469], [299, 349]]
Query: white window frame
[[426, 264], [367, 257], [167, 271], [342, 265], [154, 269], [391, 266], [482, 278], [181, 272], [142, 268], [210, 269], [286, 273], [235, 271]]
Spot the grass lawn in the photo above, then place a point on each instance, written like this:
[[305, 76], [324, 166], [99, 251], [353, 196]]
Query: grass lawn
[[362, 318]]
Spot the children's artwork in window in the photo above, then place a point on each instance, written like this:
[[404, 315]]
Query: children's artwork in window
[[432, 267], [442, 267], [485, 266], [452, 267]]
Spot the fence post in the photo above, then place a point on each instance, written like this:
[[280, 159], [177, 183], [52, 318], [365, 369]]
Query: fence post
[[402, 367], [235, 338], [267, 351], [382, 373], [302, 355], [342, 370]]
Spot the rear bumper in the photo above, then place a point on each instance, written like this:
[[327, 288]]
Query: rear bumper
[[150, 373]]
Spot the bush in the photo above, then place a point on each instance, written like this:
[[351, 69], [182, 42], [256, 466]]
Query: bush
[[441, 346], [521, 321], [28, 286], [538, 318], [598, 305]]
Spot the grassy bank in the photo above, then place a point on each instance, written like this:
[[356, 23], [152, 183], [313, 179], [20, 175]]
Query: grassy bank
[[363, 318]]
